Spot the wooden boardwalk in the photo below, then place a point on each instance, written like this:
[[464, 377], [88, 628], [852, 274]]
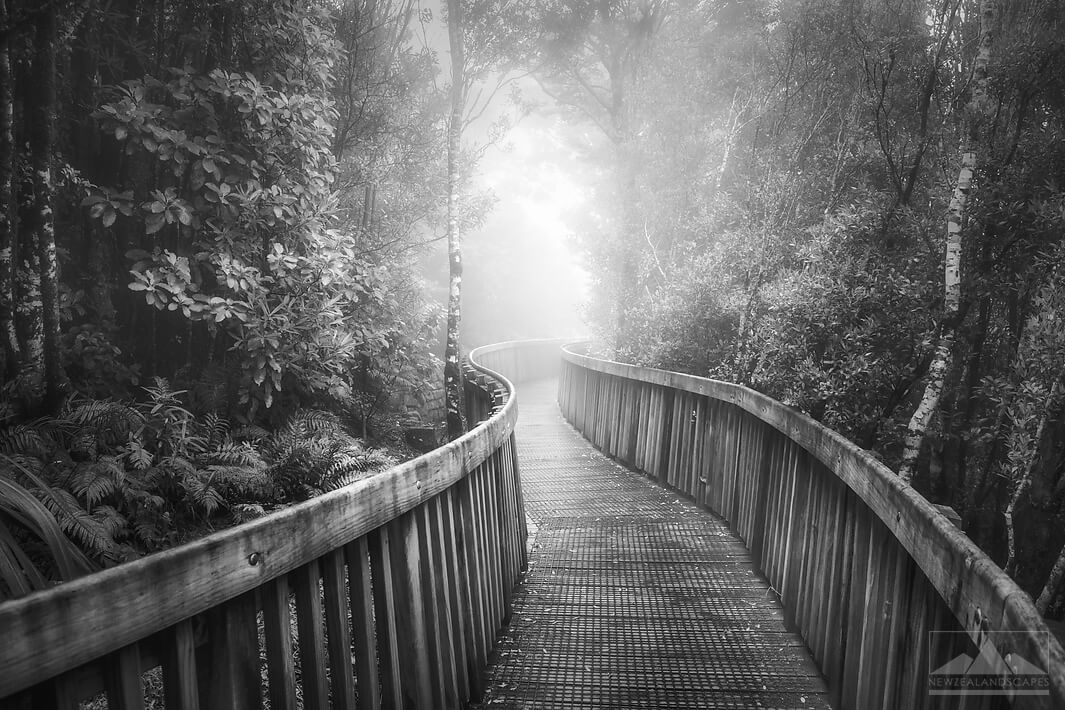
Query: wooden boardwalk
[[635, 597]]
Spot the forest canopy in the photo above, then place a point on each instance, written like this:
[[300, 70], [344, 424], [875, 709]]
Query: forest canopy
[[212, 211]]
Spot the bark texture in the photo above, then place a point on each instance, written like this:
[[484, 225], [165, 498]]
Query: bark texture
[[453, 390], [42, 140], [1053, 585], [8, 237], [976, 112]]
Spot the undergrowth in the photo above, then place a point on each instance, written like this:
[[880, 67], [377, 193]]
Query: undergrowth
[[103, 482]]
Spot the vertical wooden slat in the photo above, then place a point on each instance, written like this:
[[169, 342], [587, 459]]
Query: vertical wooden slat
[[230, 660], [899, 611], [385, 612], [277, 624], [455, 583], [827, 519], [179, 668], [470, 577], [494, 528], [413, 651], [309, 622], [872, 661], [439, 653], [364, 631], [338, 632], [856, 609], [123, 680], [839, 594]]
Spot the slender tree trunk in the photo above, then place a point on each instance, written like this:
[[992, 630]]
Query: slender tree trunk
[[975, 116], [1053, 585], [1024, 479], [8, 209], [453, 389], [42, 139]]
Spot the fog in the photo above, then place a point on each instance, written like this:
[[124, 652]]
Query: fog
[[522, 273], [523, 278]]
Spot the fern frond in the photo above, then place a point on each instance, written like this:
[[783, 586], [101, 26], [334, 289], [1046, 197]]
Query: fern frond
[[150, 531], [243, 512], [315, 421], [78, 523], [109, 421], [110, 520], [21, 468], [353, 464], [205, 496], [242, 482], [136, 454], [249, 433], [96, 480], [233, 454], [216, 430], [177, 466], [23, 439]]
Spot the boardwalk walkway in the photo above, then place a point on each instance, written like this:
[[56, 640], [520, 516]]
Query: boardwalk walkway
[[635, 597]]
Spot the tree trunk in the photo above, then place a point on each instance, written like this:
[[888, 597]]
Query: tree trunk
[[975, 116], [42, 139], [453, 390], [1053, 584], [8, 208], [1024, 480]]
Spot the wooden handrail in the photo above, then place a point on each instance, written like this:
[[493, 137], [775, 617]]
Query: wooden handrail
[[865, 567], [421, 559]]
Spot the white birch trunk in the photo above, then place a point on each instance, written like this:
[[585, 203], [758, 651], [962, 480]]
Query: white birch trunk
[[975, 116]]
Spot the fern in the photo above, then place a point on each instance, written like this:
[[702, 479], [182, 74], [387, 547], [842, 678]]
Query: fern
[[229, 453], [97, 480], [204, 496], [250, 433], [315, 421], [244, 512], [77, 522], [139, 457], [24, 439], [216, 430], [112, 522], [107, 421], [353, 464], [242, 482]]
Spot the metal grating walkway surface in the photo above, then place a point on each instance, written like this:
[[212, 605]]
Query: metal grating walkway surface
[[635, 597]]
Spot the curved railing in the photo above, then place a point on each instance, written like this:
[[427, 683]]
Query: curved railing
[[866, 568], [388, 592]]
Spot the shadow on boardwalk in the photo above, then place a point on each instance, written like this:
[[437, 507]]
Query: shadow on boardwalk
[[635, 597]]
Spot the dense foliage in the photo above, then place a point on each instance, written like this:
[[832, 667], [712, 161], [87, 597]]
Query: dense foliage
[[209, 213], [785, 187]]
